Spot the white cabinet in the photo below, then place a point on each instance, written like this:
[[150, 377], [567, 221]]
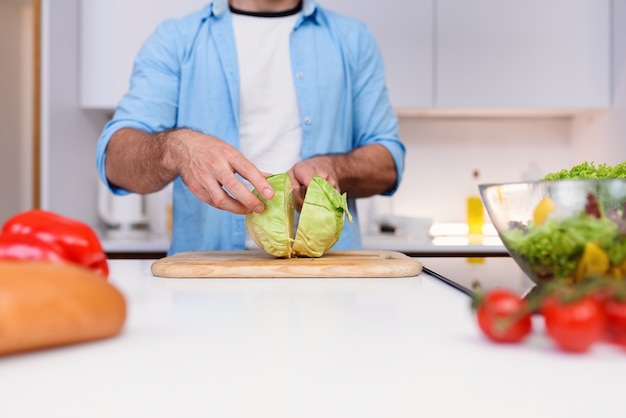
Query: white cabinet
[[404, 33], [522, 54], [492, 55], [439, 54], [112, 31], [68, 173]]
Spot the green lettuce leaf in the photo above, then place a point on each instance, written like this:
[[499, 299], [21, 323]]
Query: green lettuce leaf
[[587, 171]]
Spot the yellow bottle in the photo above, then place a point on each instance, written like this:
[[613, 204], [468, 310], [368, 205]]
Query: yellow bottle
[[475, 210]]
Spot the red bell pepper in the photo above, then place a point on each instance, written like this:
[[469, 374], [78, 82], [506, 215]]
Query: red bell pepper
[[26, 247], [77, 241]]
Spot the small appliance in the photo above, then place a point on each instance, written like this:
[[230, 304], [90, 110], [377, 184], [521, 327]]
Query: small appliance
[[124, 217]]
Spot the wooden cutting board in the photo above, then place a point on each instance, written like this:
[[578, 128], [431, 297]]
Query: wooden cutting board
[[252, 264]]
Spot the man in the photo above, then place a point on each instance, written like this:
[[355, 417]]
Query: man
[[223, 97]]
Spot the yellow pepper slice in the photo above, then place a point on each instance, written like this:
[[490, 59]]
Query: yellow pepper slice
[[594, 262], [618, 271], [543, 209]]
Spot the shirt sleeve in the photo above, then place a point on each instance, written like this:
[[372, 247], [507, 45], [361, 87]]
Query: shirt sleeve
[[374, 118], [150, 104]]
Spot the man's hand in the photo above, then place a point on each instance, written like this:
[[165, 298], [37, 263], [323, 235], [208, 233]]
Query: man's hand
[[208, 166], [362, 172], [145, 163], [323, 165]]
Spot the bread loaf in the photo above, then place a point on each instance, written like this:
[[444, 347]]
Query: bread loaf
[[45, 305]]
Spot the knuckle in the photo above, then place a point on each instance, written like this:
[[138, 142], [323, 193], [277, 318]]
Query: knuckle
[[218, 200]]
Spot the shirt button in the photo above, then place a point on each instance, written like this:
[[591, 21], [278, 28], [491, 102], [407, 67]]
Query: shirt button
[[307, 120], [299, 76]]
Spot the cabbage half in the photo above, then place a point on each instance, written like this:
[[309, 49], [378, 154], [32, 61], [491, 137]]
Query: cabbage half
[[321, 219], [319, 227], [273, 229]]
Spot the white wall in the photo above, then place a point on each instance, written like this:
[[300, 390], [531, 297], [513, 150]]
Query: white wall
[[602, 137], [617, 143], [69, 133], [15, 107], [443, 152]]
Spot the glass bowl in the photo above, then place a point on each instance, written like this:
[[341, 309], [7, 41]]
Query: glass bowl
[[564, 230]]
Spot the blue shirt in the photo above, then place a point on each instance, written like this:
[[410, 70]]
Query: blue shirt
[[186, 75]]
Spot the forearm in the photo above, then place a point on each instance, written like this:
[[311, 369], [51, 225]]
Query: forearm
[[365, 171], [139, 161], [209, 167]]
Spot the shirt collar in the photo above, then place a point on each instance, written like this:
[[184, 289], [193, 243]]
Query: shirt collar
[[218, 7], [308, 8]]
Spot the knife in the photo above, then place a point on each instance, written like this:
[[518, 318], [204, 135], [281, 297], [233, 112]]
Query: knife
[[296, 197]]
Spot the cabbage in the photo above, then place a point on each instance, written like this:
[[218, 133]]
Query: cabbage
[[321, 219], [273, 229], [320, 223]]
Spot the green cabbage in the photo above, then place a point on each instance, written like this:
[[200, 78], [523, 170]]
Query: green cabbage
[[321, 219], [320, 223], [273, 229]]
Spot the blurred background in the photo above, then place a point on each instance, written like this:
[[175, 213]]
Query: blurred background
[[510, 89]]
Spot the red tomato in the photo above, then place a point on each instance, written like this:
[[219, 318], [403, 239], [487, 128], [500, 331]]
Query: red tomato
[[574, 325], [503, 316], [615, 311]]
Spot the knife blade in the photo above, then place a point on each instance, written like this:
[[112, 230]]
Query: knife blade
[[297, 197]]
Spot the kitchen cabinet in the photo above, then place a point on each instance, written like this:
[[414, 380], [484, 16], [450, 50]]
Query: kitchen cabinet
[[112, 31], [460, 55], [404, 33], [68, 138], [440, 55], [522, 54]]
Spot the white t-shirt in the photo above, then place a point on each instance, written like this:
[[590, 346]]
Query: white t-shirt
[[270, 133]]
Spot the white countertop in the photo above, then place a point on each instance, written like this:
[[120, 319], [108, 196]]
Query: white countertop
[[406, 244], [405, 347], [436, 245]]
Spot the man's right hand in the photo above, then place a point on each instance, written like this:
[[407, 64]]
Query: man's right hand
[[145, 163]]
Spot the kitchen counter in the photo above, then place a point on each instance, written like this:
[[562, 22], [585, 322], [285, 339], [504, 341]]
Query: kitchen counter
[[402, 347], [156, 247], [426, 246]]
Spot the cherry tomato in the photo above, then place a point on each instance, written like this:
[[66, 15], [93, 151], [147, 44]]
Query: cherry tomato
[[574, 325], [503, 316], [615, 311]]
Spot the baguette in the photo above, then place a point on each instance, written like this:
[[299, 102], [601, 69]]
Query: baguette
[[45, 305]]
